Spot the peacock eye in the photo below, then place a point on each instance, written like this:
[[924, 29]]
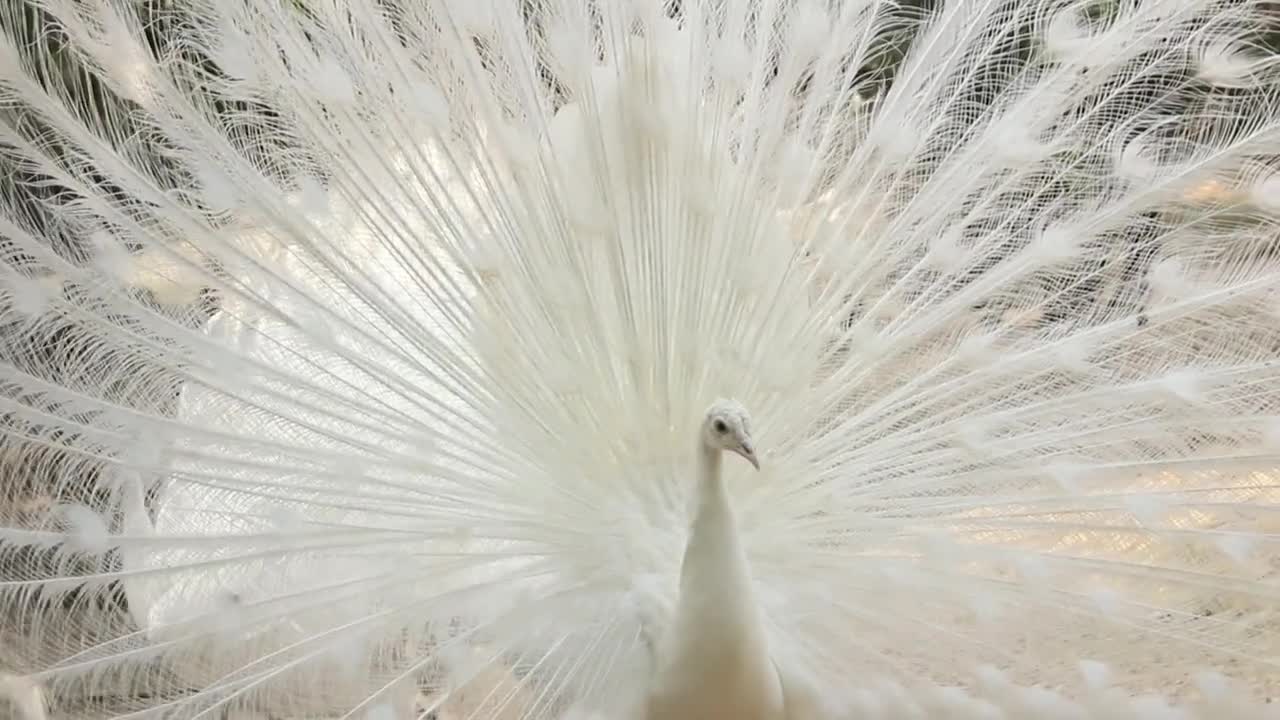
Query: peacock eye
[[720, 427]]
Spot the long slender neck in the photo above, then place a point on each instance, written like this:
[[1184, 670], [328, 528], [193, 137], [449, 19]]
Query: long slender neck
[[715, 579], [713, 535], [715, 662]]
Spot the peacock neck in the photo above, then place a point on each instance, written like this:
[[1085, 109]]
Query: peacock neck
[[715, 579], [711, 498], [715, 662]]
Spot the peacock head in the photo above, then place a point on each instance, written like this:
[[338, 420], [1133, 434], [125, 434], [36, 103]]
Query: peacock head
[[728, 427]]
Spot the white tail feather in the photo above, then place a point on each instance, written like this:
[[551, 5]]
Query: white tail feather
[[352, 349]]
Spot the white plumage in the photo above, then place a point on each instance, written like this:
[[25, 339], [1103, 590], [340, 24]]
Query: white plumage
[[360, 352], [714, 658]]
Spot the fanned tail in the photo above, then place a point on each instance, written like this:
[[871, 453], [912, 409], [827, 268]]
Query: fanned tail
[[399, 316]]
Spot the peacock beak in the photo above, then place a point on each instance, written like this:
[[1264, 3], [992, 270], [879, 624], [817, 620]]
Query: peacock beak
[[746, 451]]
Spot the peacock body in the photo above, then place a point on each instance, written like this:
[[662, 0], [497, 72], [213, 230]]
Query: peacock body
[[358, 356]]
